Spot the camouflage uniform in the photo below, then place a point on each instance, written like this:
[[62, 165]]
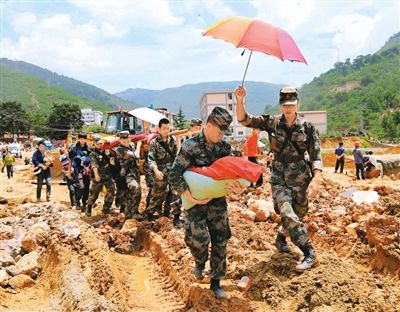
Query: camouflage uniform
[[290, 173], [161, 156], [131, 176], [101, 160], [148, 176], [208, 222]]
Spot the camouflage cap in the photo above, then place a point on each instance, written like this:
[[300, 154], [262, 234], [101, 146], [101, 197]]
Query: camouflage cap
[[221, 117], [195, 122], [98, 139], [288, 96], [124, 134]]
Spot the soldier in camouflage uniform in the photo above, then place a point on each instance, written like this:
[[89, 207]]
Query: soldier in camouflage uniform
[[208, 219], [127, 156], [101, 175], [162, 153], [290, 137]]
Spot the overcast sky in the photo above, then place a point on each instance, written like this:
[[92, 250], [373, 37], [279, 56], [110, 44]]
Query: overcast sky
[[157, 44]]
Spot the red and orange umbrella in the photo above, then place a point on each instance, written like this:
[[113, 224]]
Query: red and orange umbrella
[[258, 36]]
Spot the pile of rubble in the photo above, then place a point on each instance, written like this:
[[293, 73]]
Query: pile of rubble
[[25, 233]]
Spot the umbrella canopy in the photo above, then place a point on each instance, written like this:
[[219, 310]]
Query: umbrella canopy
[[258, 36], [147, 114]]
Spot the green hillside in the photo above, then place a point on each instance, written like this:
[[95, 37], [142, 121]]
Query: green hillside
[[363, 91], [70, 85], [35, 95]]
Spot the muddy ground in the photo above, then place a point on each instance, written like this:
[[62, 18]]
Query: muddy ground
[[107, 264]]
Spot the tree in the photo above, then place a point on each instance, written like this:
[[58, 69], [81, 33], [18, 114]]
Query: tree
[[13, 119], [64, 116], [181, 121], [39, 124], [391, 125]]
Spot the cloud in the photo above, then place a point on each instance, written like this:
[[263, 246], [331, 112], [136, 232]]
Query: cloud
[[143, 14], [23, 23], [353, 30], [287, 14]]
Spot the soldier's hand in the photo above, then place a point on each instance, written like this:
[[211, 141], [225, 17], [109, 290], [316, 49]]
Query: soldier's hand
[[193, 200], [159, 175], [240, 93], [314, 187], [234, 187]]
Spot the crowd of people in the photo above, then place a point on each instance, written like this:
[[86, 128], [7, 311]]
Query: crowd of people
[[294, 161], [366, 166]]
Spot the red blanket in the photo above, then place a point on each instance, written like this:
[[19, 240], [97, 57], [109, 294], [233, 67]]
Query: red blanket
[[134, 138], [231, 168]]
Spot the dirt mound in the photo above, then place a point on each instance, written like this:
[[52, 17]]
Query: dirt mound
[[393, 150]]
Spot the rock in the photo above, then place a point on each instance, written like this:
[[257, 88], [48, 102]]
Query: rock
[[313, 227], [367, 197], [35, 237], [130, 227], [70, 230], [334, 230], [247, 214], [262, 208], [352, 229], [13, 246], [163, 221], [27, 265], [244, 283], [6, 232], [340, 211], [21, 281], [5, 259], [4, 277]]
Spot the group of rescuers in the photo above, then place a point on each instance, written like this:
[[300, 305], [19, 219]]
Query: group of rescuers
[[293, 179]]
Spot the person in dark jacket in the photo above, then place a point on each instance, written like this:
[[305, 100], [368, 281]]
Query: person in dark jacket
[[79, 155], [42, 165]]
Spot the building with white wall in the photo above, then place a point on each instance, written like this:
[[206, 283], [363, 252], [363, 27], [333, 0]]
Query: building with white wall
[[91, 117], [318, 118], [226, 100]]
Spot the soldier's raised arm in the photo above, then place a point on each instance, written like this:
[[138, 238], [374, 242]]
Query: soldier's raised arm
[[263, 122]]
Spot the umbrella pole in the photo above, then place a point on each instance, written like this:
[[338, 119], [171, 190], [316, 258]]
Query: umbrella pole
[[247, 66]]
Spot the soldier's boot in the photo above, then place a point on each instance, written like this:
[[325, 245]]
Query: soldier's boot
[[149, 216], [199, 271], [310, 259], [106, 210], [281, 244], [167, 210], [218, 291], [83, 208], [178, 222], [88, 211], [48, 197], [137, 216]]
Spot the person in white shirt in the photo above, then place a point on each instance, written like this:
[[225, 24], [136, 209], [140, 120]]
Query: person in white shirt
[[371, 165]]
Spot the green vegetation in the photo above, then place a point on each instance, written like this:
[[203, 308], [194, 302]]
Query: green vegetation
[[366, 89], [64, 117], [16, 120], [69, 85], [35, 95], [13, 119], [180, 119]]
